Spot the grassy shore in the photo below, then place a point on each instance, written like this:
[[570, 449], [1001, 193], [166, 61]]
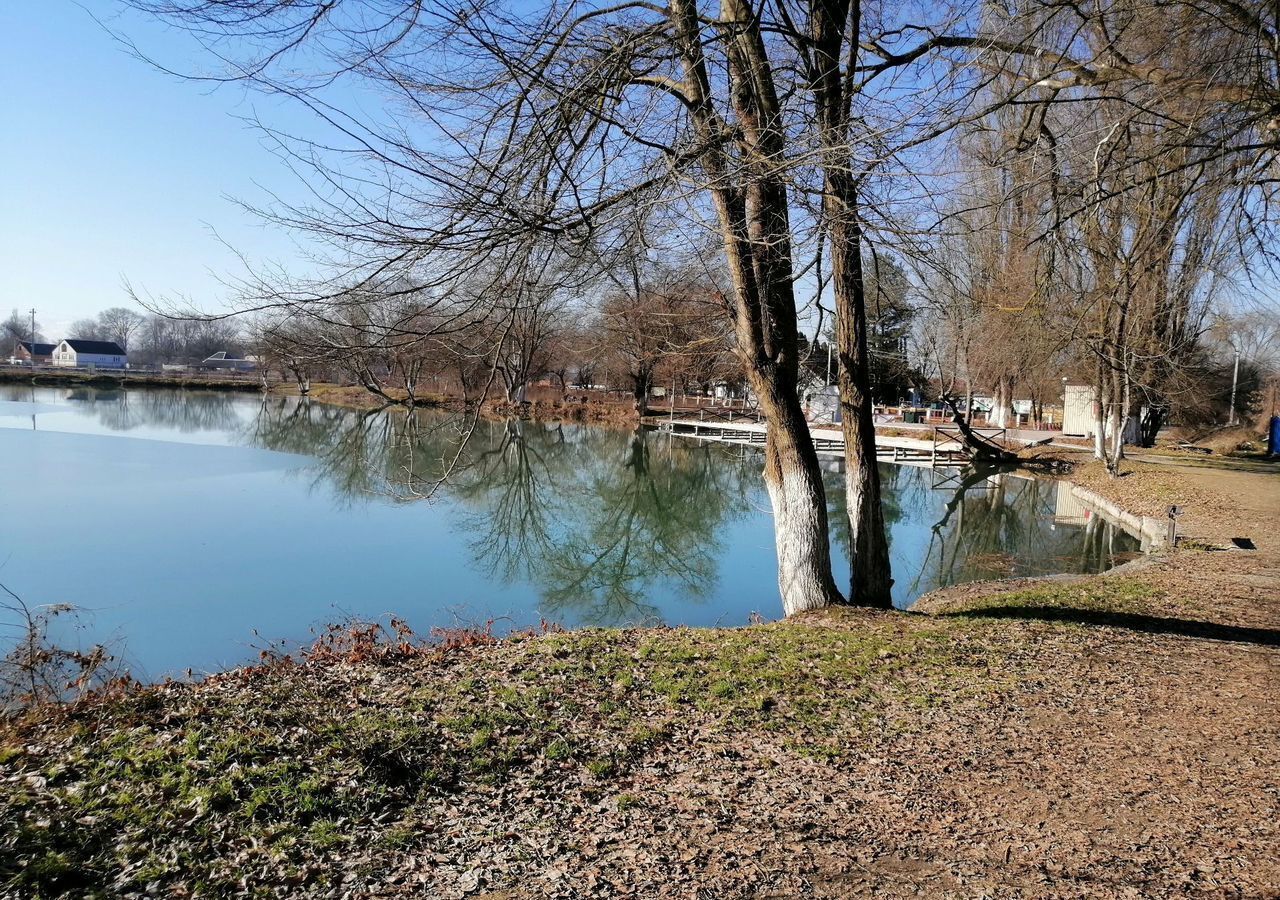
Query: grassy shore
[[1104, 736]]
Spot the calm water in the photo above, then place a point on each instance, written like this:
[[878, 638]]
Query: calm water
[[195, 528]]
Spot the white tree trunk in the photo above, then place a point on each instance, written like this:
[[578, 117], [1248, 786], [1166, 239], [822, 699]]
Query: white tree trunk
[[1002, 403], [800, 532], [1119, 422], [793, 478]]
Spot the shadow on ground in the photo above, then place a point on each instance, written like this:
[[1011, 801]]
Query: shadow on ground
[[1258, 464], [1263, 637]]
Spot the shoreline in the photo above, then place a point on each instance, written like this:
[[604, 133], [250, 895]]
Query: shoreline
[[360, 400], [128, 378]]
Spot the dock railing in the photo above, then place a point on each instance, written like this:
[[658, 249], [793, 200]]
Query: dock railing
[[950, 439], [737, 428], [729, 414]]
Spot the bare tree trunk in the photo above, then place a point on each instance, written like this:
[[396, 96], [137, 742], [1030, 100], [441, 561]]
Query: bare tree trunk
[[1119, 419], [793, 478], [983, 450], [753, 215], [871, 579], [641, 383], [1002, 402]]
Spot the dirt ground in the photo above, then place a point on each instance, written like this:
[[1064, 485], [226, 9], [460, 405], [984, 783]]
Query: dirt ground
[[1148, 764]]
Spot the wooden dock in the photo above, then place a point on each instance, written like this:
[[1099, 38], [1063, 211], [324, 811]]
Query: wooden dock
[[942, 450]]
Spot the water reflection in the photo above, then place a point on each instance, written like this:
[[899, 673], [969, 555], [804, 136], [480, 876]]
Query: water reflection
[[996, 524], [390, 512], [181, 411], [600, 520], [604, 520]]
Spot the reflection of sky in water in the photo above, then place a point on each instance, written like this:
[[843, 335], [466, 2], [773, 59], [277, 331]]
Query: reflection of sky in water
[[188, 522], [10, 409], [185, 417]]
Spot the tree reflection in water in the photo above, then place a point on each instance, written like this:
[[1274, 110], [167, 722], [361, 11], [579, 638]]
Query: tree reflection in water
[[184, 411], [655, 511], [597, 519], [601, 520], [582, 523], [997, 524], [361, 455]]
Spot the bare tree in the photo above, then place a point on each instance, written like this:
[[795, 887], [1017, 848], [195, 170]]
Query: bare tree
[[162, 339], [120, 324], [784, 125], [569, 114], [19, 327], [87, 329]]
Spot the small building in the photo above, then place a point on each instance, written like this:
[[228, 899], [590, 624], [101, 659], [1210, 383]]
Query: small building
[[73, 352], [222, 360], [1080, 415], [822, 403], [32, 353], [1079, 411]]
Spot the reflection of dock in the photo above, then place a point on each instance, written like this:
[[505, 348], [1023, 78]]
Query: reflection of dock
[[1069, 509], [1076, 505], [827, 441]]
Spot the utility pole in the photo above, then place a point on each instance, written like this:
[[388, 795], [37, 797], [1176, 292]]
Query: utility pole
[[33, 326], [1235, 375], [828, 362]]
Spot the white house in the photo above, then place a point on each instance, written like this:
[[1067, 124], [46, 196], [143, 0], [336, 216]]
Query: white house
[[98, 354]]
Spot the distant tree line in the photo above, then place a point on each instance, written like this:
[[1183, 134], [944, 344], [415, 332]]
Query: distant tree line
[[149, 339]]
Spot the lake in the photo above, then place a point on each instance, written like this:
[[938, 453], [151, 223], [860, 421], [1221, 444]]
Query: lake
[[193, 529]]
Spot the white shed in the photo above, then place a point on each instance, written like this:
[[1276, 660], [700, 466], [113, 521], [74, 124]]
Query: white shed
[[1079, 413], [83, 354]]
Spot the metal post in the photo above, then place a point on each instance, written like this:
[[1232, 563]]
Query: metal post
[[1235, 375], [828, 362], [1172, 534]]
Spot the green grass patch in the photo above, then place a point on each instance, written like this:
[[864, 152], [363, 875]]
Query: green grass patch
[[168, 785]]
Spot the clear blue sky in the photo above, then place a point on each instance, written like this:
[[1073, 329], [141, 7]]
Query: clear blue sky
[[112, 169]]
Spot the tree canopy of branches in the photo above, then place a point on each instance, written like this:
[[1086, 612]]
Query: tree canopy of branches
[[18, 328]]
